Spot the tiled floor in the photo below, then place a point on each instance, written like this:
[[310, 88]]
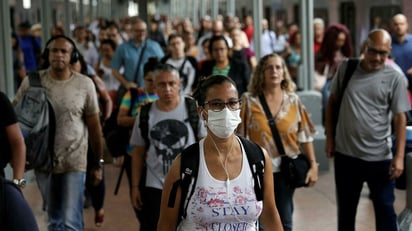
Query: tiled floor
[[315, 208]]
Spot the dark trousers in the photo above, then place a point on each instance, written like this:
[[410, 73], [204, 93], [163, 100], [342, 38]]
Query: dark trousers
[[350, 174], [151, 209]]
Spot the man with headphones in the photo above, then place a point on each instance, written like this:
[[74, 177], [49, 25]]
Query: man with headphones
[[74, 101]]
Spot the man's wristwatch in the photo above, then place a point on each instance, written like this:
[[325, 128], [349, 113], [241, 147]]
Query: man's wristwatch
[[101, 163], [20, 182]]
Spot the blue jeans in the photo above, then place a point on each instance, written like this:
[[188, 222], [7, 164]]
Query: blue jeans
[[325, 98], [350, 174], [42, 180], [284, 200], [65, 203]]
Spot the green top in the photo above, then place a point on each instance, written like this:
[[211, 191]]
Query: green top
[[224, 71]]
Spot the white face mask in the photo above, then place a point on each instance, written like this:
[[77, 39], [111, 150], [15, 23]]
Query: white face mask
[[223, 123]]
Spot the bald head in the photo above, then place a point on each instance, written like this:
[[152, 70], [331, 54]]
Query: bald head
[[217, 27], [377, 49], [379, 36], [399, 17]]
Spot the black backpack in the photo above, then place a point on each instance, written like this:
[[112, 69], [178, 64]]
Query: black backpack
[[189, 168], [117, 137], [36, 119], [144, 118]]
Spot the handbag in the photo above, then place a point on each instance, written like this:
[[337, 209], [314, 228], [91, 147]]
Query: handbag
[[293, 169], [319, 80]]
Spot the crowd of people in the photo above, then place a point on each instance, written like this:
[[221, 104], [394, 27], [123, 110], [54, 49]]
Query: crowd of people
[[149, 90]]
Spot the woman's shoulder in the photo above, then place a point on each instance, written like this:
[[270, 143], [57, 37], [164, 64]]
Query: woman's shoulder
[[250, 99], [291, 96], [249, 96]]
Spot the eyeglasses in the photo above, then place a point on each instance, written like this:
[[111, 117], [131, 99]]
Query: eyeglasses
[[372, 51], [218, 105]]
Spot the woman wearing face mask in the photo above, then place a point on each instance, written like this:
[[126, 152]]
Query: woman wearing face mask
[[272, 80], [223, 171]]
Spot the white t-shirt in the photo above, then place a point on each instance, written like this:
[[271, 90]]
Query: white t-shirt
[[188, 70], [222, 205], [169, 133]]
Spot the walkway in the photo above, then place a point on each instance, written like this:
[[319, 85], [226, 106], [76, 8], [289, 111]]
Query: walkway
[[315, 208]]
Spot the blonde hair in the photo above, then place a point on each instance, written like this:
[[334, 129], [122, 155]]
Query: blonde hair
[[257, 84]]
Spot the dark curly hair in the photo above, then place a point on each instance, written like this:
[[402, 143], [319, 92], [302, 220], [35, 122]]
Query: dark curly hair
[[327, 49]]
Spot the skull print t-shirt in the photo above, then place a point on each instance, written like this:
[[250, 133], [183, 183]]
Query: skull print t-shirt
[[169, 133]]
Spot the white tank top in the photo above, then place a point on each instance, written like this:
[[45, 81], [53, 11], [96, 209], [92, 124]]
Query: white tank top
[[213, 208]]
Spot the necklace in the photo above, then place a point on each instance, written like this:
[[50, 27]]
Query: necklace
[[224, 163]]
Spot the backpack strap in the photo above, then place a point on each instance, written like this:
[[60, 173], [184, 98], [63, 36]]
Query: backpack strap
[[350, 69], [189, 167], [183, 75], [144, 122], [133, 97], [34, 79], [256, 160], [193, 115]]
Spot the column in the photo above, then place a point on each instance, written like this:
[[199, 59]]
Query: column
[[6, 60], [307, 68], [230, 7], [67, 16], [81, 12], [257, 24], [195, 11], [215, 8], [203, 8]]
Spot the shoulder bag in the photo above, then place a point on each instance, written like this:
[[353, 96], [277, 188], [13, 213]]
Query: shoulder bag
[[294, 170], [122, 89]]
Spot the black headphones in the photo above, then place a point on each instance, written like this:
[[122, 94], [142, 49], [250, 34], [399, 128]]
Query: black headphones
[[75, 53]]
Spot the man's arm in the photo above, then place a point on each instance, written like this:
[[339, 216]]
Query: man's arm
[[96, 141], [123, 80], [397, 165], [18, 150], [105, 97], [123, 118], [138, 158], [95, 137]]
